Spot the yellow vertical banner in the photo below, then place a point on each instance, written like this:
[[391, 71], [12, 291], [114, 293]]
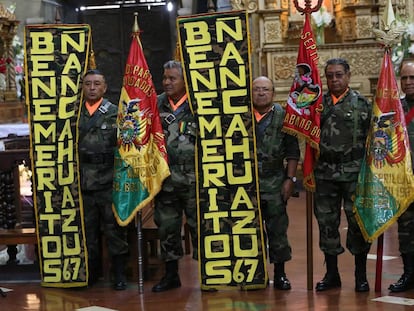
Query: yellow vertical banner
[[56, 58], [215, 53]]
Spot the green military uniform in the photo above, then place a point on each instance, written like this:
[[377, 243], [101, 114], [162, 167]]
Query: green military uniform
[[178, 191], [344, 128], [97, 142], [273, 148], [406, 220]]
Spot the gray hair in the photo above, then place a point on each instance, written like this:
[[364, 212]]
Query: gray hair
[[173, 64], [338, 61]]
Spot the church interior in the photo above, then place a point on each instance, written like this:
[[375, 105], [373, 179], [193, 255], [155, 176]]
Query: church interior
[[275, 29]]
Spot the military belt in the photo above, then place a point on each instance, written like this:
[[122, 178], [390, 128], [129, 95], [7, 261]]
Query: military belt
[[337, 157], [268, 168], [97, 158]]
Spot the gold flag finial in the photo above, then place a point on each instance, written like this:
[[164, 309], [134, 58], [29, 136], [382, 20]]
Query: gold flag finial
[[135, 28], [177, 55], [308, 8], [92, 61], [388, 18], [391, 32]]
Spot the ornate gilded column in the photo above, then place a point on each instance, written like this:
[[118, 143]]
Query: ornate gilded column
[[11, 73], [8, 31]]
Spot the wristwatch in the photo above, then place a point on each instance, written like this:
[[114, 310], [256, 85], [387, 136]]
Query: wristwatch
[[292, 178]]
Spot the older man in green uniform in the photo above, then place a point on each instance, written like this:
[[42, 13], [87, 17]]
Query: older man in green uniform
[[97, 142], [345, 122], [406, 220], [177, 197], [276, 182]]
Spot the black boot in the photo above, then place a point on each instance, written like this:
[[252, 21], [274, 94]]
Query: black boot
[[118, 265], [361, 282], [406, 280], [331, 278], [281, 281], [171, 278]]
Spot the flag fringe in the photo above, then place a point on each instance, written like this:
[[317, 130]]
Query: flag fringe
[[142, 204], [381, 230], [300, 135]]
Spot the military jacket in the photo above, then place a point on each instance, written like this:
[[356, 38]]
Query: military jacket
[[180, 130], [344, 129], [407, 105], [97, 143], [273, 147]]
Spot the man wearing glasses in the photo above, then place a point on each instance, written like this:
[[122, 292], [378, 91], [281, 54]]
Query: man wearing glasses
[[345, 122], [276, 181], [406, 220]]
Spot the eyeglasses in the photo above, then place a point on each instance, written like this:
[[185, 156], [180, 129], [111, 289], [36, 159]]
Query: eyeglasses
[[262, 89], [331, 75], [405, 78]]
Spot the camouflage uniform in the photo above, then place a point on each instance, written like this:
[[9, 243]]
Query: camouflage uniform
[[406, 220], [96, 154], [273, 147], [344, 128], [178, 190]]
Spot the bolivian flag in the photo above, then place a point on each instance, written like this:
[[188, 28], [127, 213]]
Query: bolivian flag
[[386, 184], [140, 159]]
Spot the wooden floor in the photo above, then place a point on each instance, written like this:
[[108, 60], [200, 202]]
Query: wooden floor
[[28, 295]]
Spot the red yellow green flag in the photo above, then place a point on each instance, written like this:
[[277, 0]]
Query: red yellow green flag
[[304, 103], [386, 182], [140, 159]]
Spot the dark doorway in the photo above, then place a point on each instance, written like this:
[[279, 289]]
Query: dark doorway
[[111, 39]]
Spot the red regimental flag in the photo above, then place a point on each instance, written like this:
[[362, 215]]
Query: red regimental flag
[[140, 159], [304, 103]]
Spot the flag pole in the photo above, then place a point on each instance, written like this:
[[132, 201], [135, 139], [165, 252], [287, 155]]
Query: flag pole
[[308, 9], [378, 267], [138, 216], [389, 26], [138, 223], [309, 238]]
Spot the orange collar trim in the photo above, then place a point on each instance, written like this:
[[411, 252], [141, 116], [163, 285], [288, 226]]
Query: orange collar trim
[[337, 99], [93, 107], [177, 104], [260, 116]]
